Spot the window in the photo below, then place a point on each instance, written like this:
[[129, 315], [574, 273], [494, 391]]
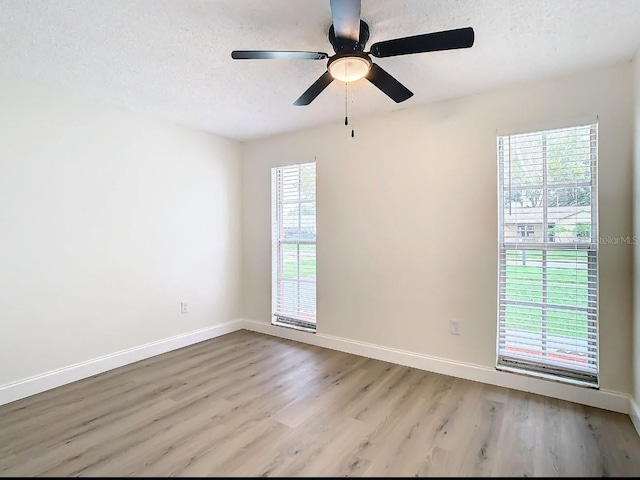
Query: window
[[526, 230], [548, 275], [293, 216]]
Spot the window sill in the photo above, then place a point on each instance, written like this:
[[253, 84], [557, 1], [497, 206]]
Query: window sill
[[293, 327], [545, 376]]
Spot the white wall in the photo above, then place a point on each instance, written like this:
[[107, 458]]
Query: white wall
[[407, 218], [107, 221], [635, 414]]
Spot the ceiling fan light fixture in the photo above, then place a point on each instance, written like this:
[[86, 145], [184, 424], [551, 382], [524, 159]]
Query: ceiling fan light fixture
[[349, 68], [348, 35]]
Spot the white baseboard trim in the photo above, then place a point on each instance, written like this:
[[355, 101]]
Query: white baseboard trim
[[46, 381], [609, 400], [634, 413]]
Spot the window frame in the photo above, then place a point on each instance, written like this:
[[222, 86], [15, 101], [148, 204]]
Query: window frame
[[549, 245], [280, 238]]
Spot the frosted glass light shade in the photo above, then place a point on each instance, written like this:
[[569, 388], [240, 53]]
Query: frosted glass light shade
[[349, 69]]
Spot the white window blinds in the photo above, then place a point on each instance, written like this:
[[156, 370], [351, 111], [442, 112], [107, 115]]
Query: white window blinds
[[294, 245], [548, 258]]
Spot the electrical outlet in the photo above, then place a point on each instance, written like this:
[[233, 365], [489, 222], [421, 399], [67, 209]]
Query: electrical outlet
[[184, 308], [454, 327]]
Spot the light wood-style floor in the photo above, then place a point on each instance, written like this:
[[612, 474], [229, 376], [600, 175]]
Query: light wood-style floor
[[255, 405]]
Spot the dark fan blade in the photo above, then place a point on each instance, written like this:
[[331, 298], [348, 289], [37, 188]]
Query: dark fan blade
[[276, 55], [389, 85], [346, 18], [429, 42], [314, 90]]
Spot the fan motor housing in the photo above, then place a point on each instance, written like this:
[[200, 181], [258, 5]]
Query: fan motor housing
[[343, 45]]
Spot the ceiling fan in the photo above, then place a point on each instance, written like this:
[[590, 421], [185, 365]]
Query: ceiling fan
[[348, 35]]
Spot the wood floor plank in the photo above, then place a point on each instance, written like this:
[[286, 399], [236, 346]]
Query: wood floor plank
[[518, 437], [321, 458], [146, 444], [247, 404], [482, 446]]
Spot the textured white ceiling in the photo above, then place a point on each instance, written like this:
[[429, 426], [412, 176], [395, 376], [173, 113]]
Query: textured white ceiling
[[171, 58]]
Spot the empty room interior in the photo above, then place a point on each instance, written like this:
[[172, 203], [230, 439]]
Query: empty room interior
[[323, 238]]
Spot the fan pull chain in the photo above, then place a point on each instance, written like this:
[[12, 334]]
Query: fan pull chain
[[346, 110], [352, 131], [346, 105], [346, 101]]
